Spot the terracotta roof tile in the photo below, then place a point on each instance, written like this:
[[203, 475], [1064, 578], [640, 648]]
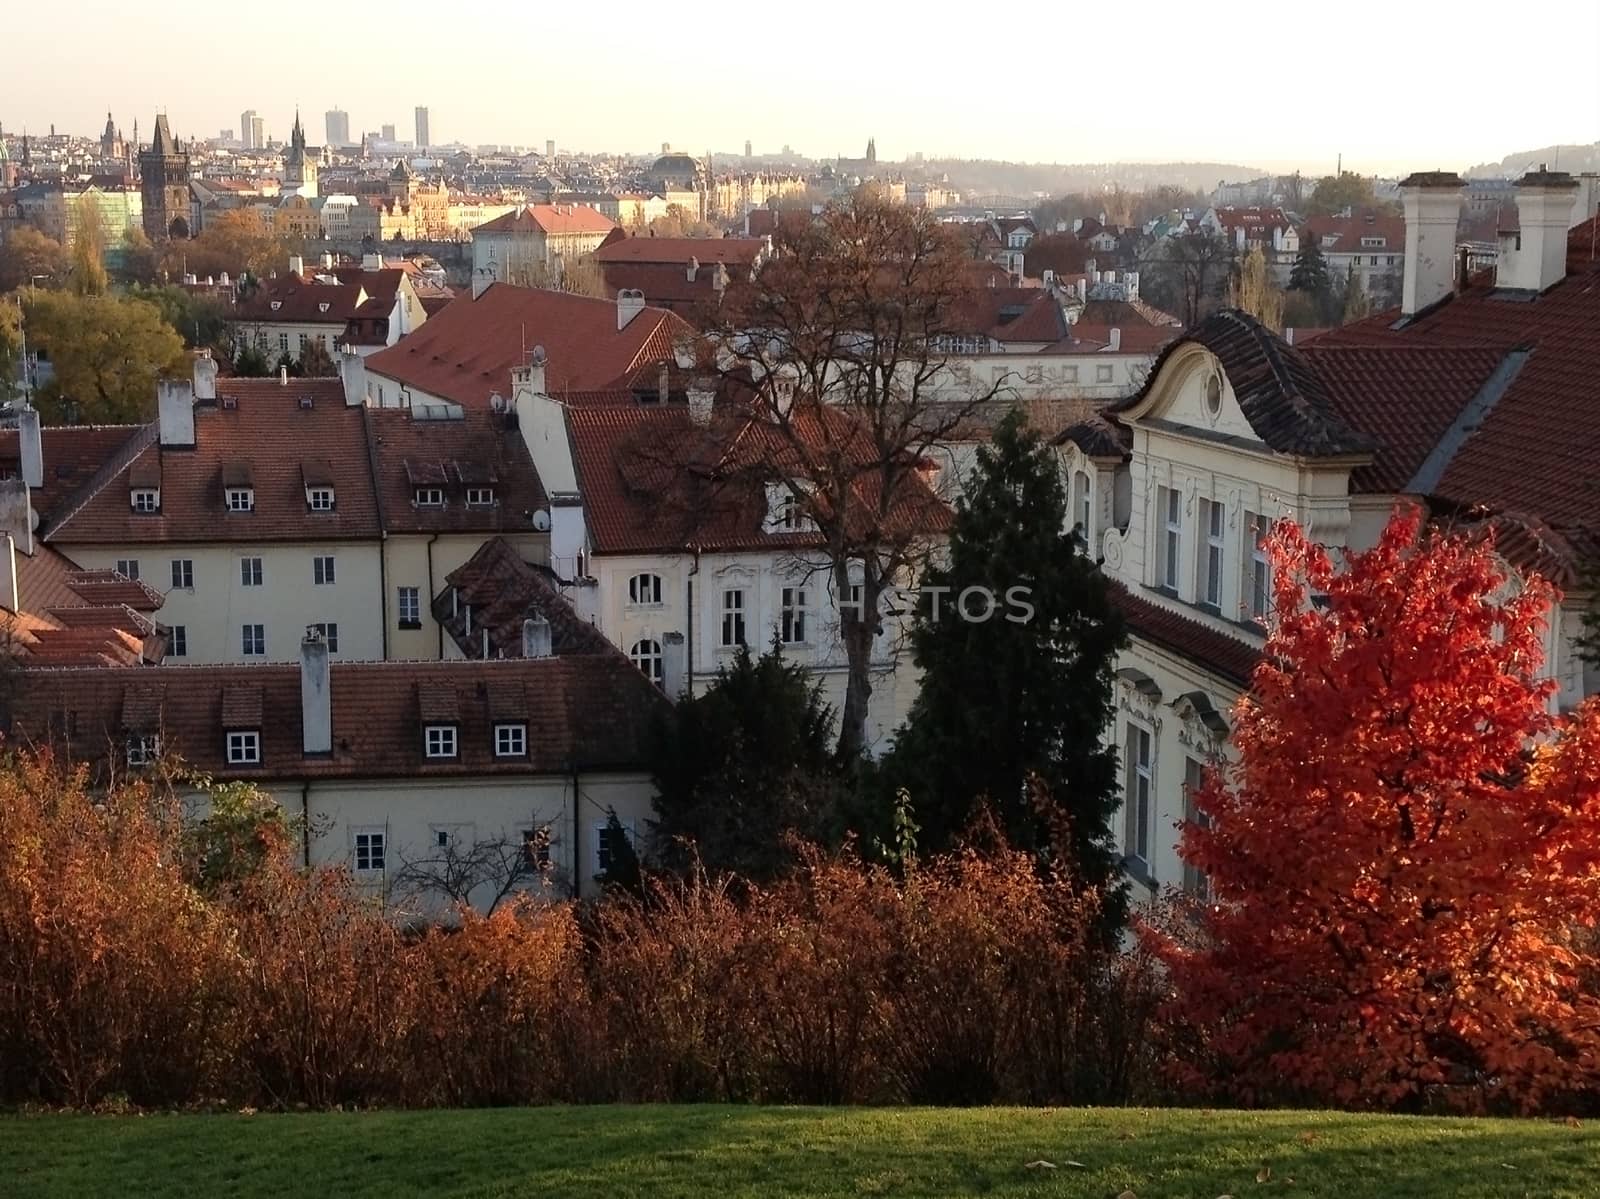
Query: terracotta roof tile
[[549, 218], [502, 590], [1231, 658], [72, 455], [678, 251]]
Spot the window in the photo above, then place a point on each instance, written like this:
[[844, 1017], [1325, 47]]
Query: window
[[244, 748], [1213, 393], [430, 497], [254, 641], [370, 846], [241, 499], [1102, 373], [644, 589], [1136, 797], [408, 604], [536, 846], [480, 497], [510, 740], [322, 570], [788, 516], [249, 572], [283, 342], [1389, 261], [261, 339], [178, 641], [439, 741], [1194, 879], [128, 567], [792, 616], [183, 574], [1212, 518], [605, 849], [319, 499], [302, 345], [733, 617], [330, 634], [646, 655], [143, 748], [1170, 505], [1374, 260], [1082, 498], [146, 499], [1258, 586]]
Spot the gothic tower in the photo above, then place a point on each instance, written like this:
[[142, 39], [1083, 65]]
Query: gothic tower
[[299, 168], [164, 185], [872, 151]]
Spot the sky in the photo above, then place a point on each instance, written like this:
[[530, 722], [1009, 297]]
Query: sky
[[1393, 87]]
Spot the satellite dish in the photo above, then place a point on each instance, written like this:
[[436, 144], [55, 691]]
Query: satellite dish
[[538, 355], [541, 521]]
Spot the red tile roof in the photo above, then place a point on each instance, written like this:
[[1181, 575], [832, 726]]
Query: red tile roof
[[475, 448], [591, 712], [304, 301], [68, 616], [72, 455], [678, 251], [652, 481], [502, 590], [549, 219], [266, 438], [668, 287], [1009, 314], [1225, 655], [466, 351], [1125, 314], [1343, 234]]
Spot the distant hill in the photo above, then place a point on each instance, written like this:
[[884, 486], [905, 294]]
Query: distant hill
[[1026, 178], [1574, 159]]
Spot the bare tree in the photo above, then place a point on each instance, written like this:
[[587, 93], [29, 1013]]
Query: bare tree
[[456, 870], [1191, 268], [842, 344]]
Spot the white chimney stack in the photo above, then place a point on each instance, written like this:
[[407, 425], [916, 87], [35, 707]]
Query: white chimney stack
[[1115, 345], [1432, 202], [297, 265], [16, 514], [528, 378], [674, 664], [1588, 197], [372, 262], [630, 303], [316, 695], [283, 376], [701, 400], [536, 637], [694, 268], [8, 573], [30, 447], [1535, 257], [205, 376], [175, 413]]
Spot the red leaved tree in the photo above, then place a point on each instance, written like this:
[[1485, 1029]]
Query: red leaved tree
[[1406, 849]]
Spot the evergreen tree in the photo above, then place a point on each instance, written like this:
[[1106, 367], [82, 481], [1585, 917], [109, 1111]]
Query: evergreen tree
[[250, 364], [1026, 692], [1310, 271], [1356, 305], [743, 765]]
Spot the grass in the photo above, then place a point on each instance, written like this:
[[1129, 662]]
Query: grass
[[729, 1151]]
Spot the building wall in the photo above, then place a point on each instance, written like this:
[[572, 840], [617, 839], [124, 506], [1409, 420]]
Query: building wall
[[214, 612], [275, 338], [407, 564]]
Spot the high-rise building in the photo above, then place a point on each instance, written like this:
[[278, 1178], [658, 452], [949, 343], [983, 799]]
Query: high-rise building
[[550, 147], [747, 153], [250, 129], [337, 122], [388, 133], [422, 128]]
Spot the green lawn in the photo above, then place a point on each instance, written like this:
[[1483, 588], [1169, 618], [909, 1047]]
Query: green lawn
[[726, 1151]]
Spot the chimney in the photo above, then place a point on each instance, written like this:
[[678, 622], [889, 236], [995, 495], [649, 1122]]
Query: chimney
[[327, 262], [30, 447], [701, 400], [630, 303], [175, 413], [536, 637], [1115, 345], [674, 664], [372, 262], [16, 514], [283, 376], [1588, 197], [353, 374], [1432, 202], [1535, 258], [694, 268], [316, 696], [8, 573], [481, 279], [529, 377], [664, 384], [297, 265], [205, 377]]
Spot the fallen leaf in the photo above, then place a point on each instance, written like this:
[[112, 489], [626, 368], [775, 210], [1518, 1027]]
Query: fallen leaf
[[1307, 1137], [1075, 1165], [1574, 1122], [1264, 1174], [1127, 1195], [1507, 1166], [1040, 1165]]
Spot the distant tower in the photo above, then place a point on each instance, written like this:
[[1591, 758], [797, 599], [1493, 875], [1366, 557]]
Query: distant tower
[[337, 122], [549, 147], [164, 185], [423, 134], [299, 168], [247, 130], [747, 153], [872, 151], [401, 181], [110, 141]]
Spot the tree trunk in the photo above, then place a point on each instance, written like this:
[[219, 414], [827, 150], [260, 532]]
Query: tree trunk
[[857, 627]]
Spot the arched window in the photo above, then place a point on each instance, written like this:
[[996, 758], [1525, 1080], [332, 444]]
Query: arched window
[[644, 589], [1082, 506], [646, 655]]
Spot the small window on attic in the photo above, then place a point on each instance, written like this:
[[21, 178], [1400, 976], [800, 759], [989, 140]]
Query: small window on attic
[[241, 499], [146, 499]]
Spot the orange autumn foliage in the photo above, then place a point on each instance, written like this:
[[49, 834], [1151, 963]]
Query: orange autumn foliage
[[1405, 854]]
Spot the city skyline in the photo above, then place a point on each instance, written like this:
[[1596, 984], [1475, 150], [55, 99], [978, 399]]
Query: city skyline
[[1152, 105]]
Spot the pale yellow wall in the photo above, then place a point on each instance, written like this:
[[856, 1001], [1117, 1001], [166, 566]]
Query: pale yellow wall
[[406, 558], [215, 611]]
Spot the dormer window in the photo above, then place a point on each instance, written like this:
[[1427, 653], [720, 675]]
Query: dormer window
[[480, 497], [244, 747], [146, 499], [429, 497], [510, 740], [323, 306], [785, 511], [439, 741], [319, 499], [241, 499], [277, 304], [143, 748]]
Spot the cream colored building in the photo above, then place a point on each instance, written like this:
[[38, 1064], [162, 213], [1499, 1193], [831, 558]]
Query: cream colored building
[[525, 245]]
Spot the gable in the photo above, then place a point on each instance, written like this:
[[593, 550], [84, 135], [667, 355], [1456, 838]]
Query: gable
[[1193, 391]]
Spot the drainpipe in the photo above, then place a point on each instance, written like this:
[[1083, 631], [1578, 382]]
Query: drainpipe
[[688, 666], [577, 843], [305, 822], [440, 627]]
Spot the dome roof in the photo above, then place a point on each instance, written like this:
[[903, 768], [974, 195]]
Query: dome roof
[[675, 163]]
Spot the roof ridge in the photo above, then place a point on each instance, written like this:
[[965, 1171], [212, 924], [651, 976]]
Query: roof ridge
[[1467, 422], [113, 466]]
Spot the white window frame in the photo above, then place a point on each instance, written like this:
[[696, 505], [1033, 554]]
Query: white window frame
[[733, 632], [1213, 559], [322, 571], [253, 635], [440, 742], [371, 845], [177, 641], [1103, 372], [241, 499], [1258, 580], [510, 739], [319, 499], [600, 851], [793, 611], [244, 747], [1083, 504], [646, 654], [428, 497], [329, 631], [143, 748], [408, 599], [146, 500], [183, 574], [1169, 503], [644, 590], [1140, 795], [480, 497], [1194, 879], [251, 572]]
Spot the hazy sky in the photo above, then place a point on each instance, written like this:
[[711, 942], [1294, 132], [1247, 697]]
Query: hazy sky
[[1394, 86]]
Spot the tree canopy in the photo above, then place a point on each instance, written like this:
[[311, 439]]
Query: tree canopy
[[107, 353]]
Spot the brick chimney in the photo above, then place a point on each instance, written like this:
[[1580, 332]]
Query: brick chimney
[[701, 401], [630, 303], [175, 413], [316, 696], [1432, 203], [1535, 257], [16, 513]]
